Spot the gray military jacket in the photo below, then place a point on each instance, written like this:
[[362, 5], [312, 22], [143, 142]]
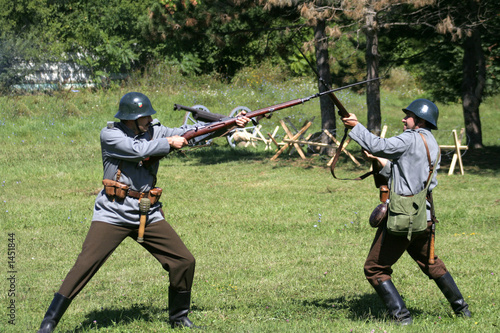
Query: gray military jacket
[[407, 154], [120, 147]]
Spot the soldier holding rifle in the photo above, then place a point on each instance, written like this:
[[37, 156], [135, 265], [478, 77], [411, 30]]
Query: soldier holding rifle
[[129, 206], [404, 159]]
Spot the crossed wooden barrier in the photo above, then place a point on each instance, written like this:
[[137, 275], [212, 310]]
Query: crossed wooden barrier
[[295, 141], [458, 147]]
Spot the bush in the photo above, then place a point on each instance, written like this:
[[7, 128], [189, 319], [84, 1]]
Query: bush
[[265, 73]]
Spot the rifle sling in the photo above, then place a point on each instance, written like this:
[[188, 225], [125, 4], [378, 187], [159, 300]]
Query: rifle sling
[[336, 158]]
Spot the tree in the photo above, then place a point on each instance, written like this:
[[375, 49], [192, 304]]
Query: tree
[[468, 21], [367, 16], [103, 38], [226, 35], [376, 17], [464, 25], [317, 15]]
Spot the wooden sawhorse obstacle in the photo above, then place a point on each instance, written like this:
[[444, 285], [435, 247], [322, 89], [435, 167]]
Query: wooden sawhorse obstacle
[[296, 140], [457, 147], [382, 135], [293, 140], [337, 143]]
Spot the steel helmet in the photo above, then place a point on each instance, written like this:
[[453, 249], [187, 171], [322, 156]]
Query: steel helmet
[[425, 109], [134, 105]]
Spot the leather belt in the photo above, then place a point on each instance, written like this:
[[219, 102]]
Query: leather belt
[[136, 194]]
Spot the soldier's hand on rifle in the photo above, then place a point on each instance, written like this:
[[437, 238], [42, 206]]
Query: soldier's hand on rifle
[[177, 141], [369, 157], [350, 121], [241, 119]]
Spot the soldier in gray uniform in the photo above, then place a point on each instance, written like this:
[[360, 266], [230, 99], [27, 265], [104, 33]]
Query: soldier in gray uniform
[[128, 177], [404, 158]]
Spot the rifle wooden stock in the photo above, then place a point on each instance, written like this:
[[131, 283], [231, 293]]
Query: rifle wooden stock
[[342, 110], [380, 181]]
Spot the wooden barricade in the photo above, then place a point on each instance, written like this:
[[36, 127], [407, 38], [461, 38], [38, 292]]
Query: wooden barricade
[[337, 143], [295, 141], [457, 155]]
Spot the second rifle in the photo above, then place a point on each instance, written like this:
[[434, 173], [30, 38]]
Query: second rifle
[[228, 123], [225, 124]]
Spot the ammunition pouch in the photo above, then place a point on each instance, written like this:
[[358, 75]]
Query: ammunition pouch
[[114, 189], [154, 195], [118, 191]]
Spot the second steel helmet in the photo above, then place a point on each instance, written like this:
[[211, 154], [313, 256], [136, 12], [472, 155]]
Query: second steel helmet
[[134, 105], [425, 109]]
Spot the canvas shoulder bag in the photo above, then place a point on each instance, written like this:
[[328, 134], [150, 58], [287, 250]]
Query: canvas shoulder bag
[[408, 214]]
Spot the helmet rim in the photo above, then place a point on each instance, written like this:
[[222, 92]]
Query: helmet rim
[[134, 105], [424, 109]]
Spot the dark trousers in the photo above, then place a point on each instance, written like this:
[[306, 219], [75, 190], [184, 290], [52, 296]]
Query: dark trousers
[[386, 249], [160, 240]]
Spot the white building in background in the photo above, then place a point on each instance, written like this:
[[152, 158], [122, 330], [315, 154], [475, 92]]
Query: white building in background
[[60, 75], [56, 75]]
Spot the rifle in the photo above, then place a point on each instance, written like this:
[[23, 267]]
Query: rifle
[[380, 181], [376, 167], [231, 122], [205, 129]]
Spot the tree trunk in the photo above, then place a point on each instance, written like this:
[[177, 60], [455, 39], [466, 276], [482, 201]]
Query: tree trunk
[[472, 88], [373, 87], [324, 82]]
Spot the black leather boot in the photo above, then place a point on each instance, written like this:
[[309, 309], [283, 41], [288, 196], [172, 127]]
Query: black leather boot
[[178, 308], [56, 310], [394, 303], [453, 295]]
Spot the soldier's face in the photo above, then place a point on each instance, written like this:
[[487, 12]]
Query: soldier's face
[[410, 121], [143, 123]]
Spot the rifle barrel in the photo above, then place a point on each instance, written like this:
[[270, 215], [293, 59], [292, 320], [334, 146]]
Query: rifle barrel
[[201, 130]]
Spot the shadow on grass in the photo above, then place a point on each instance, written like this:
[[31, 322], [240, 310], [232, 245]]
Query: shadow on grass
[[110, 317], [216, 154], [476, 161], [363, 307]]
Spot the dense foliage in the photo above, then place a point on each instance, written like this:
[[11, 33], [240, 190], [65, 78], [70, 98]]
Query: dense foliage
[[221, 37]]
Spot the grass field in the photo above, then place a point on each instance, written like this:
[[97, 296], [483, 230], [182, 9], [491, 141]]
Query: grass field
[[280, 245]]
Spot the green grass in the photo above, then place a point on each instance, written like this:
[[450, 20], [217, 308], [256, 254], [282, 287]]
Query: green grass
[[280, 245]]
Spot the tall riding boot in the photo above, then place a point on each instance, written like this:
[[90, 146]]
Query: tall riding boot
[[178, 308], [453, 295], [56, 309], [393, 302]]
